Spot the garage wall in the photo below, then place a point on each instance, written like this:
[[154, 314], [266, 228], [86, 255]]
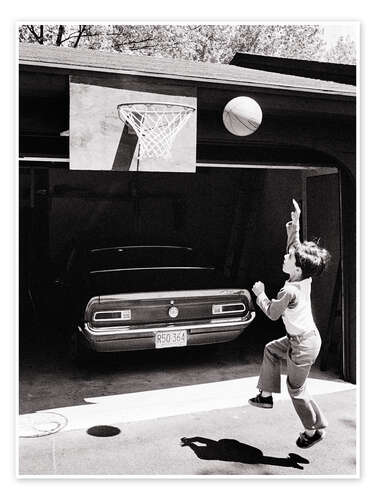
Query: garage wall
[[236, 216], [323, 222], [186, 209], [279, 189]]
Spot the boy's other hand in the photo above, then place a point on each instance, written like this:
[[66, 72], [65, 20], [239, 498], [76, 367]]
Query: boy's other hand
[[258, 288], [297, 212]]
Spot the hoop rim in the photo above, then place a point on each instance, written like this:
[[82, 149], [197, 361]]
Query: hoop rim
[[153, 103]]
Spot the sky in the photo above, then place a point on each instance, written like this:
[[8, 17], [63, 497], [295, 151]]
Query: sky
[[333, 31]]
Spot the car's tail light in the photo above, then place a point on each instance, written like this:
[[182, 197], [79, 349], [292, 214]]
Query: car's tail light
[[237, 307], [123, 315]]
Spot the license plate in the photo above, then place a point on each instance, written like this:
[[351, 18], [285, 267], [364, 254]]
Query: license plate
[[170, 339]]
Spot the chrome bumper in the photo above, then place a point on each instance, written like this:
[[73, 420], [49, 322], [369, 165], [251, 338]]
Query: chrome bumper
[[127, 338]]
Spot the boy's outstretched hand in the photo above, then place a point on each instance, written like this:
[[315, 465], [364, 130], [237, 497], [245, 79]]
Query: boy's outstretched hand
[[258, 288], [297, 212]]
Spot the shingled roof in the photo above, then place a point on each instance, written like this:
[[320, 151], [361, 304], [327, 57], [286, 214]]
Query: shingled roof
[[109, 62], [318, 70]]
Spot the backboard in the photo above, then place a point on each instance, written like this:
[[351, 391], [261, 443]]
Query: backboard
[[99, 140]]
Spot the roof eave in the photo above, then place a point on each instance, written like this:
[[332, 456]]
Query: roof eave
[[192, 78]]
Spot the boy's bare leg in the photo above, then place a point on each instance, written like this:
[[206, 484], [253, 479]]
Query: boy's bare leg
[[321, 421]]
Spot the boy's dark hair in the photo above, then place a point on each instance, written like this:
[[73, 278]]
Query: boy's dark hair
[[311, 258]]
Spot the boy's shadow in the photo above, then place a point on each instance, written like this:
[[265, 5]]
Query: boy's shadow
[[231, 450]]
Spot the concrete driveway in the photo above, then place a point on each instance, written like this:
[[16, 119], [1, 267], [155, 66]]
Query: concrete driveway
[[256, 442], [124, 415]]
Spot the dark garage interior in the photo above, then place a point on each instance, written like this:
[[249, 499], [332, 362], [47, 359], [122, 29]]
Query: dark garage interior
[[234, 216]]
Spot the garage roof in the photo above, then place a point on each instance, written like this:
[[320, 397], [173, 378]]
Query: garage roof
[[109, 62], [318, 70]]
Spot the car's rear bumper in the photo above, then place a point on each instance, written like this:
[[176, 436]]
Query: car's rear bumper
[[125, 339]]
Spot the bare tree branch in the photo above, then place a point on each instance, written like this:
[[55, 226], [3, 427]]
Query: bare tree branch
[[82, 28], [30, 27], [132, 42], [142, 41], [145, 47], [88, 34], [77, 33], [69, 37], [60, 34]]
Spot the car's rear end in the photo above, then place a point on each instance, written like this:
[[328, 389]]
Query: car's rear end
[[152, 320], [147, 297]]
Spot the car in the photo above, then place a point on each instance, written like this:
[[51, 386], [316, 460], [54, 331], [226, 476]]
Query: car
[[124, 298]]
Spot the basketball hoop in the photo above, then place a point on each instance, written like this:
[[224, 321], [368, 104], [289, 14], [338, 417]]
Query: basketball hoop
[[156, 125]]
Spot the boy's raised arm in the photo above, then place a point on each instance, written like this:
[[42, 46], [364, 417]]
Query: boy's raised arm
[[292, 227]]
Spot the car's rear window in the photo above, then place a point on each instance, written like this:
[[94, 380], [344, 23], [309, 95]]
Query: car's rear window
[[144, 257]]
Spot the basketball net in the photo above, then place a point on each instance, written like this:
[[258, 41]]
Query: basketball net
[[156, 125]]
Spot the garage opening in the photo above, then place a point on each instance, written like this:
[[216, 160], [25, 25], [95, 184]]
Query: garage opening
[[235, 216]]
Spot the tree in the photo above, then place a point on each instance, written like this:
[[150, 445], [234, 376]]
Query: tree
[[46, 34], [203, 42], [293, 41], [344, 51]]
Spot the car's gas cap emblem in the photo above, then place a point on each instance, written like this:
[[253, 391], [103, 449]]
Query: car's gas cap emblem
[[173, 312]]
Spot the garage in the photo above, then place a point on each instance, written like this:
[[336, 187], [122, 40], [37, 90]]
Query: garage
[[232, 205]]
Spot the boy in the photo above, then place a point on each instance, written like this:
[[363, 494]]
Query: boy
[[302, 343]]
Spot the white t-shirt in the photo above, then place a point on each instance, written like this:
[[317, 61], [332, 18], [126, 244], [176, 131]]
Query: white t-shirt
[[293, 302]]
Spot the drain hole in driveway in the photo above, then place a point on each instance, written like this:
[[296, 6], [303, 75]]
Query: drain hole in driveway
[[103, 431]]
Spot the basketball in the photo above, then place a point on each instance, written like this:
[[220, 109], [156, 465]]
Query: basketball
[[242, 116]]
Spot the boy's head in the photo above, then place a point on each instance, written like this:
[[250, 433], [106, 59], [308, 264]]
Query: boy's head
[[305, 260]]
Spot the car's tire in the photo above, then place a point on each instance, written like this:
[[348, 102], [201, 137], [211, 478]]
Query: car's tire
[[79, 352]]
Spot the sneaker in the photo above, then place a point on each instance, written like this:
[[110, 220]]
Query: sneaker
[[305, 441], [261, 402]]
